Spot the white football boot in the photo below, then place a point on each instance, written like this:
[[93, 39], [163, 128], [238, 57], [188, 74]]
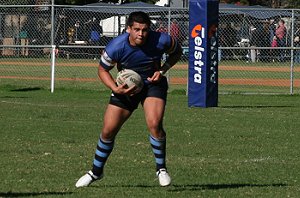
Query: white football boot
[[163, 177], [87, 179]]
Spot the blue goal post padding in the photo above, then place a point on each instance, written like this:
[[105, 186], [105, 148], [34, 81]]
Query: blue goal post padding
[[203, 53]]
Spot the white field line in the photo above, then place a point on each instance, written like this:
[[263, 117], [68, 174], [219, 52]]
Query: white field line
[[44, 105], [251, 160]]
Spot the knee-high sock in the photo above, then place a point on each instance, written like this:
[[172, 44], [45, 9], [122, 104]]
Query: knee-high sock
[[159, 150], [104, 148]]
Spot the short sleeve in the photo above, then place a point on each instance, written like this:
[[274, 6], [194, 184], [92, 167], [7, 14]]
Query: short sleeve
[[106, 61]]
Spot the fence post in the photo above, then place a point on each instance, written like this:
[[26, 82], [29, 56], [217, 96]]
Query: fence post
[[169, 31], [52, 23], [53, 53], [292, 55], [53, 48]]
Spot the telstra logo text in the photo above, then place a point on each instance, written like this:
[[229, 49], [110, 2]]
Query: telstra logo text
[[198, 35]]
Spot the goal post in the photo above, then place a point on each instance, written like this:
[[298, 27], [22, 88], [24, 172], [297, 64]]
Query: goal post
[[203, 53]]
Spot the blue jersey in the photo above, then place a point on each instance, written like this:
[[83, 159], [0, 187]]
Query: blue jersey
[[145, 59]]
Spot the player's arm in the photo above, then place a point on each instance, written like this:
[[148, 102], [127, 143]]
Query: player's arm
[[106, 78], [109, 81], [106, 64], [174, 52]]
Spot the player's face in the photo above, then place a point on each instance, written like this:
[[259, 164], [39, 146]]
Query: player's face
[[138, 33]]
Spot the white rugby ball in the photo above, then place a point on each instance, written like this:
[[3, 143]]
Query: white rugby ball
[[131, 78]]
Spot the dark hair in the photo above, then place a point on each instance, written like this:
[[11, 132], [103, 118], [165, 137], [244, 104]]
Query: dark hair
[[281, 20], [139, 17]]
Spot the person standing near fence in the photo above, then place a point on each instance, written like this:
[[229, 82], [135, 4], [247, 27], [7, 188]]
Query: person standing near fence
[[139, 49], [175, 30], [297, 51], [161, 27], [254, 42], [273, 52], [24, 38], [281, 35], [96, 32]]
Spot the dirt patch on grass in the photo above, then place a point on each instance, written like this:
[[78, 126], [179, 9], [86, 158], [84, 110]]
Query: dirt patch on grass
[[174, 80]]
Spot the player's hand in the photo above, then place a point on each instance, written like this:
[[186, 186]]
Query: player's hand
[[125, 90], [155, 78]]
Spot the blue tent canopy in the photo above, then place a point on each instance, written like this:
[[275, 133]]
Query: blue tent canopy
[[108, 10], [257, 11]]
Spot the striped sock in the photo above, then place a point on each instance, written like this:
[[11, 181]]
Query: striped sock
[[159, 150], [104, 148]]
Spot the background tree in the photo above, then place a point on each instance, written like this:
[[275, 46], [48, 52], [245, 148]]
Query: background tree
[[268, 3], [293, 3], [84, 2], [16, 2], [74, 2]]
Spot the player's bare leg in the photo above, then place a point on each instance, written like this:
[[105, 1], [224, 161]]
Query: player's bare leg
[[154, 109], [114, 118]]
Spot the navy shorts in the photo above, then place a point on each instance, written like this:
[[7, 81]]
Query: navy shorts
[[158, 90]]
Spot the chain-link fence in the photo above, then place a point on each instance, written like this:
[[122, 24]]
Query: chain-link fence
[[255, 54], [259, 50]]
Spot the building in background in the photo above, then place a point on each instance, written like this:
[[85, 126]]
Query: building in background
[[173, 3], [42, 2]]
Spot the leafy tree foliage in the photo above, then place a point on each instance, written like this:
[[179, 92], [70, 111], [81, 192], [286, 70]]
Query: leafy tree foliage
[[74, 2], [269, 3], [293, 3], [83, 2], [16, 2]]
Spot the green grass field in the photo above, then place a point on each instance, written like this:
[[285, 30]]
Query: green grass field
[[82, 73], [246, 147]]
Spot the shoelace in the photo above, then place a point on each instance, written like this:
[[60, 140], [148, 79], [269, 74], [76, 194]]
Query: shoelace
[[162, 172], [92, 176]]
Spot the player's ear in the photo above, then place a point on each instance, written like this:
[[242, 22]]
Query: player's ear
[[128, 29]]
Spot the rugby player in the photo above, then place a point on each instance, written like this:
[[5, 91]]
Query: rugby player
[[139, 49]]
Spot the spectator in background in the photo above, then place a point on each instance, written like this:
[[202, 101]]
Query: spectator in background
[[280, 33], [274, 44], [227, 35], [253, 43], [272, 29], [124, 30], [161, 27], [256, 40], [95, 35], [96, 32], [175, 30], [24, 38], [265, 42], [77, 26], [297, 52]]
